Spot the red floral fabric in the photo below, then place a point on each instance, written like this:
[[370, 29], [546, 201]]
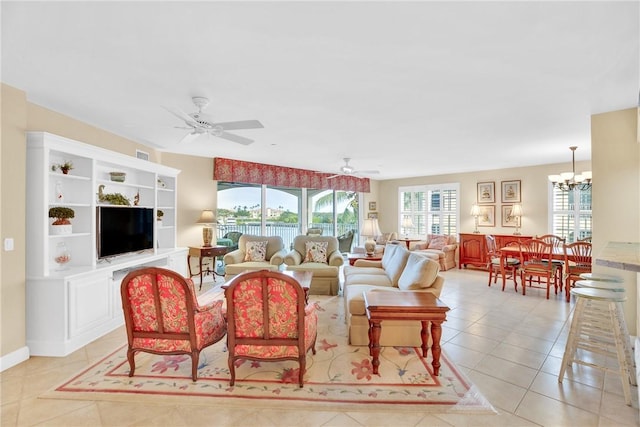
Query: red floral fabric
[[209, 321], [280, 176], [283, 317]]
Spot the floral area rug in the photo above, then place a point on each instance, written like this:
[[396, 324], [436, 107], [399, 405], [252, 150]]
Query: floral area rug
[[337, 375]]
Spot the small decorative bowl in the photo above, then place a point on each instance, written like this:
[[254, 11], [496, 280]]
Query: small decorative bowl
[[117, 176]]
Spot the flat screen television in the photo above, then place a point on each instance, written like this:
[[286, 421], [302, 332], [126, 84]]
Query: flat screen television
[[124, 229]]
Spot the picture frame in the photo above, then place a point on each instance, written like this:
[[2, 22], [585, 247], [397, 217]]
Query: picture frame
[[372, 215], [487, 217], [486, 192], [372, 206], [511, 192], [507, 219]]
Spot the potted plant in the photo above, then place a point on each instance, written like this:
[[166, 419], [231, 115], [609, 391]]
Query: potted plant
[[64, 167], [159, 215], [61, 224]]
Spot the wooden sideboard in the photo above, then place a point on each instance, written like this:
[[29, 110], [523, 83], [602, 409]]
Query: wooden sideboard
[[473, 247]]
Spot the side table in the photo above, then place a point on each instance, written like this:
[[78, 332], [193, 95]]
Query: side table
[[201, 252], [353, 257], [422, 306]]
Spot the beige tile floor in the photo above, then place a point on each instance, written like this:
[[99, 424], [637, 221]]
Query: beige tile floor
[[509, 345]]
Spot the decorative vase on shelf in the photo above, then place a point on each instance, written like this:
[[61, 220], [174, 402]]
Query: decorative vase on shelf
[[62, 256]]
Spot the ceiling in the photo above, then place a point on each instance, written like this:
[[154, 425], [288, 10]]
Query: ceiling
[[408, 88]]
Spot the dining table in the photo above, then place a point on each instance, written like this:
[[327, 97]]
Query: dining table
[[513, 251]]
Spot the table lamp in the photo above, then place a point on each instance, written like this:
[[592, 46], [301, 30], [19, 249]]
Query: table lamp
[[207, 218], [475, 212], [407, 224], [516, 211], [370, 229]]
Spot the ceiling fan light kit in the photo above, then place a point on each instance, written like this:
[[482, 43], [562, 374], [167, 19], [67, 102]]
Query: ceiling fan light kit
[[199, 124], [347, 169]]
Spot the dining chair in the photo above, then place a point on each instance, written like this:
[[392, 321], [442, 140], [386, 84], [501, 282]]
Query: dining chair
[[536, 256], [494, 260], [577, 260], [557, 242], [268, 319]]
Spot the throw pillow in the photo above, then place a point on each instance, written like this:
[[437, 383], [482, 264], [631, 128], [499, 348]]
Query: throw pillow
[[438, 242], [419, 273], [256, 251], [383, 239], [316, 252]]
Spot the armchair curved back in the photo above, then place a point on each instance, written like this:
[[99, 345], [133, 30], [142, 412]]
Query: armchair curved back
[[268, 318], [162, 316], [345, 241], [234, 236]]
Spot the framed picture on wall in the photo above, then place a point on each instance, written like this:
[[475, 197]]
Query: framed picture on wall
[[372, 206], [507, 219], [487, 192], [487, 217], [511, 191], [372, 215]]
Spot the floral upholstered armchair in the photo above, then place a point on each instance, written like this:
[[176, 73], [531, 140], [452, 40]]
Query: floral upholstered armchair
[[162, 316], [268, 319]]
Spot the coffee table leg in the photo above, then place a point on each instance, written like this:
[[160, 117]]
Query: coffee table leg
[[424, 336], [374, 343], [436, 333]]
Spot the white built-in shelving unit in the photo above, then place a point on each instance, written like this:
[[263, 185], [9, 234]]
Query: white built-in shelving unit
[[69, 308]]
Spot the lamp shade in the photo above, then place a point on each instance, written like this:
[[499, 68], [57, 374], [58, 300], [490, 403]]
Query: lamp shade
[[206, 217], [370, 228], [516, 210], [475, 210], [407, 222]]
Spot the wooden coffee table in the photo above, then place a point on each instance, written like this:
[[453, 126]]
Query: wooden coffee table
[[354, 257], [422, 306]]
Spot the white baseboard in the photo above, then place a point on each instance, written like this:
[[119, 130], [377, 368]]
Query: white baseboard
[[12, 359]]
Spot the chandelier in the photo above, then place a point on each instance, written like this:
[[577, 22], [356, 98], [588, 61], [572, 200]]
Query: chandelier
[[567, 181]]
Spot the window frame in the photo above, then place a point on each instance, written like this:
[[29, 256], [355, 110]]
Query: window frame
[[423, 218]]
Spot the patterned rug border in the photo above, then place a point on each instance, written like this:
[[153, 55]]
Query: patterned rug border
[[408, 382]]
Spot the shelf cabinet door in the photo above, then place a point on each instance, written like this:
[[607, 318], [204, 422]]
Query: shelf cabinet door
[[90, 302], [473, 250]]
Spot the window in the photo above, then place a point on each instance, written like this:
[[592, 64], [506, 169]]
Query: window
[[279, 211], [433, 209], [571, 214]]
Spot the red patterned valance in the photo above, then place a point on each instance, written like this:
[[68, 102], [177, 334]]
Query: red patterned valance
[[279, 176]]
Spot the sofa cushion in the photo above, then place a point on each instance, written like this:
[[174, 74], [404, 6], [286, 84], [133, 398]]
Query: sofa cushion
[[316, 252], [255, 251], [419, 273], [393, 261], [379, 279]]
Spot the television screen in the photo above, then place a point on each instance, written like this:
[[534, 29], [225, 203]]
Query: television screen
[[124, 229]]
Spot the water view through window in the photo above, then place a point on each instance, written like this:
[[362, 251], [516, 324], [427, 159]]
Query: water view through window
[[278, 211]]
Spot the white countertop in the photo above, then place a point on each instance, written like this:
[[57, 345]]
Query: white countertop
[[620, 255]]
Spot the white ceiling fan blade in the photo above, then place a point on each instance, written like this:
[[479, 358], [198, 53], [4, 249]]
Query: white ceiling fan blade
[[182, 116], [333, 176], [190, 137], [243, 124], [235, 138]]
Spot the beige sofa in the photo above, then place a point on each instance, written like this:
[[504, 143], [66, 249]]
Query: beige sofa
[[438, 246], [398, 271], [326, 274], [236, 261]]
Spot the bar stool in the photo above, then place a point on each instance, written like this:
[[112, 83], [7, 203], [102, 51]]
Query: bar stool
[[601, 277], [598, 326], [600, 284]]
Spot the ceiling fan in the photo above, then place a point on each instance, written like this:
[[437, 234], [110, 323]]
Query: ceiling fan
[[199, 124], [347, 169]]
